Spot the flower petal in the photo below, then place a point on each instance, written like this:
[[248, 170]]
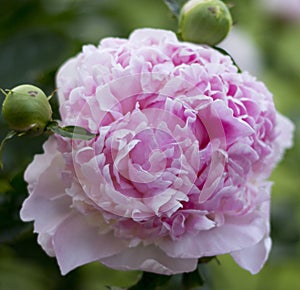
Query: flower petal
[[150, 258], [76, 242], [47, 203], [247, 231], [253, 258]]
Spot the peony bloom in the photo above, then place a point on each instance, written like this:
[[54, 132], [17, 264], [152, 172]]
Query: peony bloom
[[178, 170]]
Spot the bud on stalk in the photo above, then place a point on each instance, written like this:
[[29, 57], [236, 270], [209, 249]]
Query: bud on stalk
[[204, 21], [26, 109]]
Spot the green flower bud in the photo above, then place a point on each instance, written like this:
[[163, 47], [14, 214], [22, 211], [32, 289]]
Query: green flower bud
[[204, 21], [26, 109]]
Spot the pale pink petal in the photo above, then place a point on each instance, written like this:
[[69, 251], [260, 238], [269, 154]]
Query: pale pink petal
[[151, 259], [76, 242], [47, 203], [253, 258], [233, 235], [285, 130], [151, 35]]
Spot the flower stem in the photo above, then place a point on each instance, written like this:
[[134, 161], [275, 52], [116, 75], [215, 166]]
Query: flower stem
[[149, 281], [9, 135]]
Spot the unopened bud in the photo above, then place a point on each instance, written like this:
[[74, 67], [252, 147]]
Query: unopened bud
[[204, 21], [26, 109]]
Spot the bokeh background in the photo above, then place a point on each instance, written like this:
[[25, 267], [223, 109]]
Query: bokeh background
[[37, 36]]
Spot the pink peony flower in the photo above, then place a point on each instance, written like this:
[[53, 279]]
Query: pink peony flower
[[179, 169]]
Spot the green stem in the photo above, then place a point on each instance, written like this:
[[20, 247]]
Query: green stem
[[174, 6], [9, 135], [149, 281], [3, 92], [192, 279]]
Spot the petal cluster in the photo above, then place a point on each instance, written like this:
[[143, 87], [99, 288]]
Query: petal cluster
[[178, 170]]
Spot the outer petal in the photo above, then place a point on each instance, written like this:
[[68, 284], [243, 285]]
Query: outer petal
[[235, 234], [153, 35], [47, 204], [76, 242], [151, 259], [285, 129], [253, 258]]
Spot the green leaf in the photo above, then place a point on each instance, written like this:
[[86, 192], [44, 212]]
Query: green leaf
[[192, 280], [16, 273], [223, 51], [205, 260], [175, 6], [97, 276], [73, 132], [149, 281], [13, 193], [4, 186]]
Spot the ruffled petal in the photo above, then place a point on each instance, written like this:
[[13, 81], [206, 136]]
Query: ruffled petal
[[47, 204], [151, 259], [233, 235]]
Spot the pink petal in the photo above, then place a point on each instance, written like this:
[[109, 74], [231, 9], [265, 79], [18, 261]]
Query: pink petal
[[151, 259], [47, 204], [233, 235], [285, 129], [76, 242], [155, 35], [253, 258]]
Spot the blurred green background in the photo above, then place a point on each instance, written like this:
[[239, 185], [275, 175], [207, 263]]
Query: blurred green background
[[37, 36]]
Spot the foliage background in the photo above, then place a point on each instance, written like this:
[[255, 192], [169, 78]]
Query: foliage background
[[37, 36]]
